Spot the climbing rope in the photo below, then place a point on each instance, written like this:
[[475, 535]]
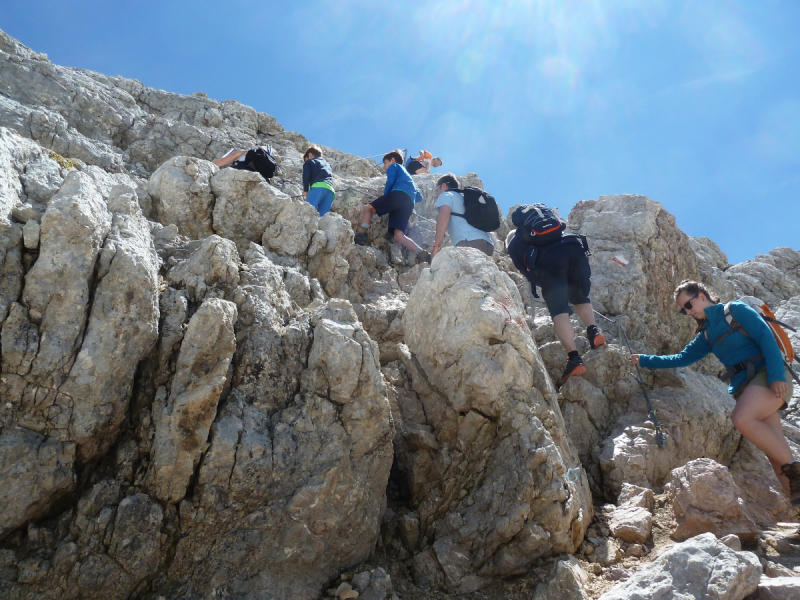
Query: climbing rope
[[638, 377]]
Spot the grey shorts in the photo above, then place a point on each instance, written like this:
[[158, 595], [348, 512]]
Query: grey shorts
[[762, 379]]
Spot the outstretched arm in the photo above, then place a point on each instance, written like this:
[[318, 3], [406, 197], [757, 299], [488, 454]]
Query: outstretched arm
[[696, 350], [229, 158]]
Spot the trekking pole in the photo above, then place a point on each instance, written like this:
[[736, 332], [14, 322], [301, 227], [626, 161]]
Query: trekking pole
[[651, 414]]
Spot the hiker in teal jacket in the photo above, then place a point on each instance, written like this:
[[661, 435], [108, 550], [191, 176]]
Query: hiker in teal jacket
[[758, 377]]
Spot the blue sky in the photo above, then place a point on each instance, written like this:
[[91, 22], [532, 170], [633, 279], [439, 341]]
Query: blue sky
[[694, 104]]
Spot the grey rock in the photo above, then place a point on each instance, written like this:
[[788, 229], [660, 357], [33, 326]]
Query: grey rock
[[704, 498], [35, 472], [122, 329], [631, 524], [181, 192], [633, 495], [11, 269], [211, 269], [72, 233], [777, 588], [30, 235], [184, 419], [492, 409], [732, 541], [245, 206], [566, 581], [702, 567]]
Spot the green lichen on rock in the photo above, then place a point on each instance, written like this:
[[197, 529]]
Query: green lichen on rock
[[64, 163]]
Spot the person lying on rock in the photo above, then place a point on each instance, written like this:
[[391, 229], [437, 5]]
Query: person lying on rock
[[461, 233], [317, 180], [561, 268], [229, 158], [423, 163], [760, 391], [399, 195]]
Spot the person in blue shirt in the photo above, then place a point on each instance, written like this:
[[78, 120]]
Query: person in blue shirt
[[317, 180], [399, 196], [758, 398], [462, 234]]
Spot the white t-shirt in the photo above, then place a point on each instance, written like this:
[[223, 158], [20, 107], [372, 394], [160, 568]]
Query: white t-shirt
[[458, 229]]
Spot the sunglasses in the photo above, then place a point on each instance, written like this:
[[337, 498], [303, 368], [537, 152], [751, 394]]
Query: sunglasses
[[688, 305]]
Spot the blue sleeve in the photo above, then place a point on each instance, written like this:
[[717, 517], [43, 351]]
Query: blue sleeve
[[696, 350], [761, 334], [306, 175], [391, 177]]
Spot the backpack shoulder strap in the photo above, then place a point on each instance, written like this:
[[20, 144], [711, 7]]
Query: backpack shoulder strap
[[732, 323]]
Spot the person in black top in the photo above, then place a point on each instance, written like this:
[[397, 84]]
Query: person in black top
[[562, 270]]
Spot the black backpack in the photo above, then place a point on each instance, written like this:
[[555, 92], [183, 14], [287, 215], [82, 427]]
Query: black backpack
[[480, 209], [538, 223], [258, 160]]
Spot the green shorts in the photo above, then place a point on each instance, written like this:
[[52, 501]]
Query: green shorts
[[762, 379]]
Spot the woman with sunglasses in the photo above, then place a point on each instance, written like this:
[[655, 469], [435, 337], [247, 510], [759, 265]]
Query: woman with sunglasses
[[758, 378]]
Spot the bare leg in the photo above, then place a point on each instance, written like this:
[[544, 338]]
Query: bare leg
[[406, 242], [585, 313], [774, 423], [366, 213], [757, 419], [564, 331]]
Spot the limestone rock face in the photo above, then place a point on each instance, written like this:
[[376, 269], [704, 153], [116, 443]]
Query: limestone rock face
[[488, 468], [640, 256], [702, 567], [181, 190], [694, 412], [35, 472], [207, 390], [307, 472], [184, 418], [566, 582], [772, 277], [705, 498], [245, 206], [122, 328]]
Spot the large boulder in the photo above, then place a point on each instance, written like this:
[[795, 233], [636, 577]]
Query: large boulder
[[639, 257], [293, 490], [181, 191], [184, 418], [35, 473], [490, 486], [702, 567], [694, 413], [704, 498]]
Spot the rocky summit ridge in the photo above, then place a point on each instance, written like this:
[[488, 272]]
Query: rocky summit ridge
[[209, 391]]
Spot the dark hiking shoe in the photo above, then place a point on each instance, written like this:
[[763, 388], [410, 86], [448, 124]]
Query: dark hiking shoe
[[596, 337], [423, 256], [792, 472], [575, 366], [362, 239]]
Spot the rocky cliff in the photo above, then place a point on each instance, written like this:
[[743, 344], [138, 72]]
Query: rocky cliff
[[210, 391]]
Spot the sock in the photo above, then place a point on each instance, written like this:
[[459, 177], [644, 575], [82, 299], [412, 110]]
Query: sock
[[573, 354], [365, 226]]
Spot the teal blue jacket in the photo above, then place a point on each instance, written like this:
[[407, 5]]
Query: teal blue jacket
[[734, 349]]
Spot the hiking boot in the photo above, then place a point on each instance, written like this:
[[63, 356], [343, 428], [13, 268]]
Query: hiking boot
[[362, 239], [792, 472], [423, 256], [596, 337], [575, 366]]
